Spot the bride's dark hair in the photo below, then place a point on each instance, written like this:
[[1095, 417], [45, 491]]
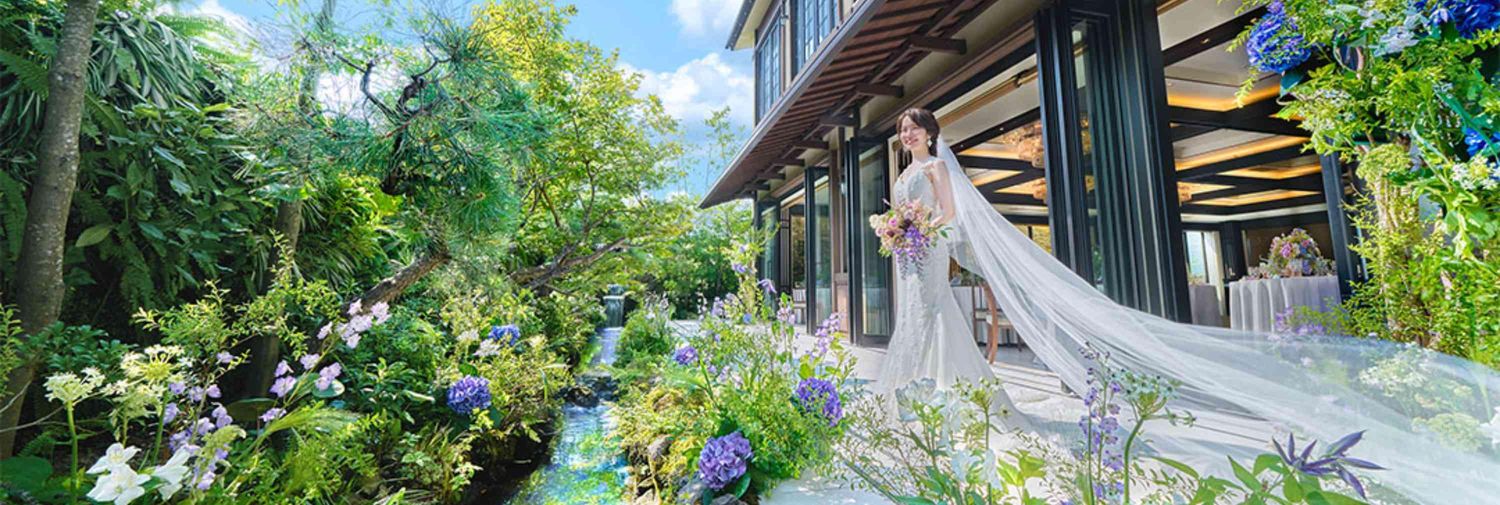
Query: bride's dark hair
[[924, 119]]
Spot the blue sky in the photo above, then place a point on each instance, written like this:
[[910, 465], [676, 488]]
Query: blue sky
[[676, 45]]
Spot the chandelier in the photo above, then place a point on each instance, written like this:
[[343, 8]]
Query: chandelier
[[1027, 141]]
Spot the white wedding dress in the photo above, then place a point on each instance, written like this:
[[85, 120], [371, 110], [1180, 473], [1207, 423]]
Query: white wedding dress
[[930, 339], [1318, 386]]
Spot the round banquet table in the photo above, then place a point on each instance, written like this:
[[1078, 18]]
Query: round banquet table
[[1254, 304]]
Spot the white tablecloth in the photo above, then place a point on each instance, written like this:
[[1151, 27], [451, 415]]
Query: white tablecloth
[[1254, 304], [1204, 301]]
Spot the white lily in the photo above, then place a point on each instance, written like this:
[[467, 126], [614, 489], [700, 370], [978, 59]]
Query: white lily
[[117, 456], [121, 486]]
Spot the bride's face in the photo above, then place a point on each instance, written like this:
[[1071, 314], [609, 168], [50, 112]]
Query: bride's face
[[913, 137]]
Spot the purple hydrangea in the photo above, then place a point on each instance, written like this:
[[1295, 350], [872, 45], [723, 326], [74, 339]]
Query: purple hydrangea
[[468, 394], [1275, 43], [327, 375], [724, 460], [501, 332], [1469, 16], [818, 395], [685, 355], [283, 386]]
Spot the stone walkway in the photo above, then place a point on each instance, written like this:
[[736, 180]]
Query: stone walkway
[[1038, 393]]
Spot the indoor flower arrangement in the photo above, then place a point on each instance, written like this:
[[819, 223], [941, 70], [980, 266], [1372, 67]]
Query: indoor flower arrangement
[[907, 232], [1407, 90], [737, 407], [1294, 254]]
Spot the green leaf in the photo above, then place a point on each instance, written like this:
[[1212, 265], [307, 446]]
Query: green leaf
[[913, 500], [249, 409], [742, 486], [1291, 79], [1327, 498], [1177, 465], [29, 473], [151, 230], [468, 369], [93, 235], [1244, 475], [1265, 461]]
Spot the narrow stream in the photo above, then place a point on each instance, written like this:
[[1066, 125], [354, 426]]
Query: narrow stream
[[587, 466]]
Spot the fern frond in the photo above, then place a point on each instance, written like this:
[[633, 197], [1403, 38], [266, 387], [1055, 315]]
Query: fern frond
[[32, 74]]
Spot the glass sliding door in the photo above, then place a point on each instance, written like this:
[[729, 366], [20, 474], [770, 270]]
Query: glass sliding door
[[872, 312], [820, 218]]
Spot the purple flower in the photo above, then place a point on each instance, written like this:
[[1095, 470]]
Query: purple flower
[[221, 418], [308, 361], [283, 386], [685, 355], [468, 394], [818, 395], [381, 312], [501, 332], [169, 413], [1334, 461], [767, 286], [177, 440], [272, 414], [212, 391], [1275, 45], [225, 358], [282, 368], [176, 388], [724, 460], [740, 268], [206, 481], [1469, 16], [327, 375]]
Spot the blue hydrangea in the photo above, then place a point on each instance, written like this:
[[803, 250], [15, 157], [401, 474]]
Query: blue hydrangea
[[818, 395], [509, 330], [1275, 45], [1469, 16], [724, 460], [468, 394], [685, 355]]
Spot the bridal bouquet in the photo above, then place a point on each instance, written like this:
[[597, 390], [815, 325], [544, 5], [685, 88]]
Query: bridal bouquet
[[907, 232], [1293, 255]]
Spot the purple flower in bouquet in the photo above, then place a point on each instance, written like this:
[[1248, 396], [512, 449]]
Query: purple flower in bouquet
[[818, 395], [468, 394], [1275, 44], [685, 355], [724, 460]]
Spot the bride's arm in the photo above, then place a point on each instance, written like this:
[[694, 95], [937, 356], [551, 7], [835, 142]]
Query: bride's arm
[[937, 173]]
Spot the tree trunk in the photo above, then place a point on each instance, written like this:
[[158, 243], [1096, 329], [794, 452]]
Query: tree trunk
[[392, 286], [39, 275], [265, 350]]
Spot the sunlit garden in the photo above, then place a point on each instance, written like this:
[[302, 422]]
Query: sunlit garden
[[470, 282]]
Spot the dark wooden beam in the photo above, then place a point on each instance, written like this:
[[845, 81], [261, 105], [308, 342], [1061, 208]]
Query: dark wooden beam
[[1013, 199], [938, 45], [1022, 119], [810, 144], [994, 163], [874, 89], [1221, 210], [1210, 39], [759, 186], [1239, 119], [1006, 182], [1310, 182], [1256, 159], [787, 162], [838, 120], [1187, 131]]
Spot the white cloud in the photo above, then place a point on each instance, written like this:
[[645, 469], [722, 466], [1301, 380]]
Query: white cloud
[[694, 90], [704, 17], [211, 8]]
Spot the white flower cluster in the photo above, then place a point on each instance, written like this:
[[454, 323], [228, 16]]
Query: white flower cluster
[[120, 484]]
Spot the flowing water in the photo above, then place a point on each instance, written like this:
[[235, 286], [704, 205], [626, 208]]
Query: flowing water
[[587, 466]]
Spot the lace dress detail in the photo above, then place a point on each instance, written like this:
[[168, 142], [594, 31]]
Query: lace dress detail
[[931, 338]]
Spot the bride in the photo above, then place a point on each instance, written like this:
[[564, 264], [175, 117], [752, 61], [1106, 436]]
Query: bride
[[1319, 387]]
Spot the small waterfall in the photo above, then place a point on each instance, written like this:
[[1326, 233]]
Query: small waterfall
[[587, 465], [614, 307]]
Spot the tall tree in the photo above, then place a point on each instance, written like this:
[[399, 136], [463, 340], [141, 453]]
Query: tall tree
[[39, 283]]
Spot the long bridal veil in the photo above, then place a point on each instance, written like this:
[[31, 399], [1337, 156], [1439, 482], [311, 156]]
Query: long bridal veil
[[1421, 410]]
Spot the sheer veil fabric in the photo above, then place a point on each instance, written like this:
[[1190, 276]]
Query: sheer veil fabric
[[1302, 384]]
